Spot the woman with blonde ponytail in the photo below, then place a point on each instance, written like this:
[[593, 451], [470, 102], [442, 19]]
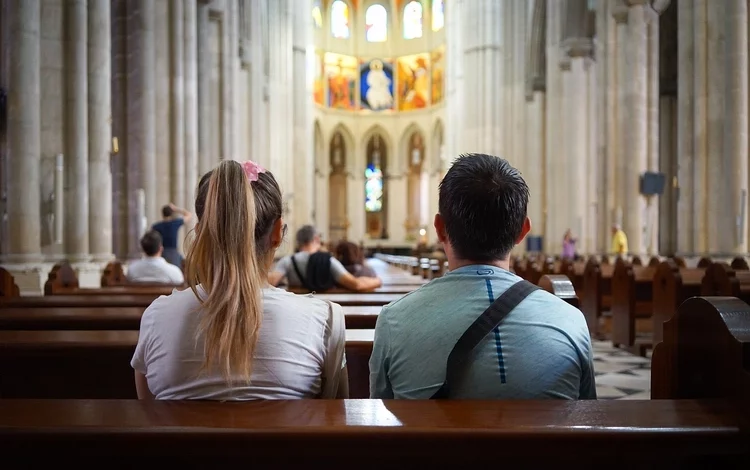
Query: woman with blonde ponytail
[[231, 336]]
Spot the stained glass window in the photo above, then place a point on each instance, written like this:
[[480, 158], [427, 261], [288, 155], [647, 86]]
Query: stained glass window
[[413, 20], [376, 23], [317, 15], [438, 15], [373, 188], [340, 19]]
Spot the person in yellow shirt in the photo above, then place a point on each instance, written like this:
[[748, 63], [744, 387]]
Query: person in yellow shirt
[[619, 241]]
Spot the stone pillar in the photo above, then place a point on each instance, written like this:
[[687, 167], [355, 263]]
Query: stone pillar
[[176, 19], [303, 164], [228, 60], [191, 104], [24, 134], [555, 224], [685, 152], [620, 14], [535, 155], [205, 159], [736, 121], [76, 133], [484, 32], [635, 125], [700, 140], [721, 220], [576, 122], [652, 213], [148, 110], [100, 131]]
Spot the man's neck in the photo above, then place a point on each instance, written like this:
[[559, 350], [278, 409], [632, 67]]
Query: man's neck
[[454, 264], [310, 249]]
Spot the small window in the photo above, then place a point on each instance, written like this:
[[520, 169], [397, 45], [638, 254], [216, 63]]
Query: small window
[[438, 15], [413, 20], [376, 23], [340, 19], [317, 16]]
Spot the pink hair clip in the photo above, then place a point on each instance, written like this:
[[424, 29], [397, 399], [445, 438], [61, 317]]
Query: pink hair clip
[[252, 170]]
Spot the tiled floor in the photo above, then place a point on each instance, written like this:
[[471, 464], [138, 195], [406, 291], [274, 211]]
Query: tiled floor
[[621, 375]]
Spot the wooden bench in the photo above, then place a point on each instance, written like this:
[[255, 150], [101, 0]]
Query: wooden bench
[[62, 280], [700, 373], [559, 285], [721, 280], [125, 318], [671, 287], [597, 294], [96, 364], [632, 299], [705, 352], [83, 300]]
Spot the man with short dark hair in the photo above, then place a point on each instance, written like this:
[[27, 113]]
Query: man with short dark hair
[[541, 349], [169, 227], [316, 270], [153, 267]]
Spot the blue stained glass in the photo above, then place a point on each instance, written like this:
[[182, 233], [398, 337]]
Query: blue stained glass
[[373, 189]]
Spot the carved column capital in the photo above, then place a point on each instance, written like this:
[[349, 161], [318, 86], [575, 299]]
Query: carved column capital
[[578, 47]]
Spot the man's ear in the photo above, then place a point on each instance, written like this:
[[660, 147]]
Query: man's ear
[[277, 233], [440, 228], [524, 231]]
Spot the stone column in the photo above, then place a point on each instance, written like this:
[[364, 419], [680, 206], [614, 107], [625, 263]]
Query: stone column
[[535, 154], [205, 159], [721, 220], [620, 14], [191, 103], [652, 214], [100, 130], [303, 165], [635, 125], [555, 224], [148, 110], [176, 19], [685, 152], [736, 120], [228, 60], [484, 32], [700, 140], [76, 133], [24, 134]]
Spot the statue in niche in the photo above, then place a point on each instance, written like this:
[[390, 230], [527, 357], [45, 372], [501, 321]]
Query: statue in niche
[[416, 150]]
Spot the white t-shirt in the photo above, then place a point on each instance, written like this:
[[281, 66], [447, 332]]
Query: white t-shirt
[[286, 267], [293, 343], [156, 270]]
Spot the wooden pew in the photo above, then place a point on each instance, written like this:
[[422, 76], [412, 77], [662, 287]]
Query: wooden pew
[[84, 300], [671, 287], [406, 434], [62, 280], [559, 285], [96, 364], [597, 294], [722, 280], [8, 287], [632, 295], [705, 352], [125, 318], [702, 420], [360, 299], [386, 289]]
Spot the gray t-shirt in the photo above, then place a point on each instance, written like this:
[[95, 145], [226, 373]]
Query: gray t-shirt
[[286, 267], [542, 349]]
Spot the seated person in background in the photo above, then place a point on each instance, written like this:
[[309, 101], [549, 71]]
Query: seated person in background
[[154, 268], [619, 241], [541, 349], [353, 259], [230, 336], [168, 228], [316, 270]]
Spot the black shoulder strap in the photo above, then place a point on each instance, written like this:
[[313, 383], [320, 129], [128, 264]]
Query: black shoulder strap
[[482, 326], [299, 274]]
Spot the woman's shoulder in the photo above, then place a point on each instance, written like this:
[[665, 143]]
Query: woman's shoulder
[[283, 298]]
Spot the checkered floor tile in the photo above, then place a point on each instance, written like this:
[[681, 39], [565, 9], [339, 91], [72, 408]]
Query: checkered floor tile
[[621, 375]]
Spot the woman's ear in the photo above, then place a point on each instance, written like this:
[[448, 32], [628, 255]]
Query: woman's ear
[[277, 233]]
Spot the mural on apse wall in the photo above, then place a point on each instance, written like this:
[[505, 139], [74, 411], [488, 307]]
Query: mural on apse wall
[[341, 71], [376, 84], [319, 87], [413, 82], [438, 74]]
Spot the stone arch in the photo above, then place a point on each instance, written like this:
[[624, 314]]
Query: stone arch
[[349, 144], [361, 159]]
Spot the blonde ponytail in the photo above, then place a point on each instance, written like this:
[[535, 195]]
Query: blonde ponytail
[[225, 259]]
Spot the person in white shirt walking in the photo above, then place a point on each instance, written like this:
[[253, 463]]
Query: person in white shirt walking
[[154, 268]]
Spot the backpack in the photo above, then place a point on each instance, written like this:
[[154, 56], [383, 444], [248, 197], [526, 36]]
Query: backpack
[[318, 276]]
